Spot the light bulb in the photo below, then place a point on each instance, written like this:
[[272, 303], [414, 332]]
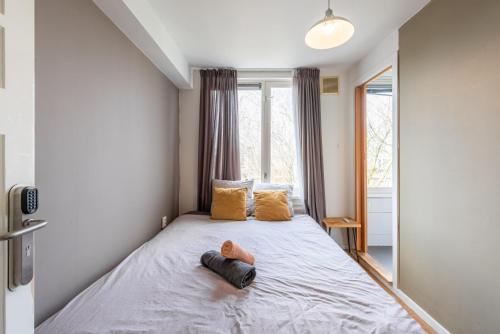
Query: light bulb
[[328, 27]]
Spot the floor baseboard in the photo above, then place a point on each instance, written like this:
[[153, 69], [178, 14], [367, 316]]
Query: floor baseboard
[[440, 329], [428, 323]]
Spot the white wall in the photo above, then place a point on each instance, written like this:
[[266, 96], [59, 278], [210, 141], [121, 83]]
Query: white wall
[[335, 127], [375, 61]]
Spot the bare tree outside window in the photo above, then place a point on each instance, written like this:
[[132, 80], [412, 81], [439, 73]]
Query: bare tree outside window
[[250, 129], [283, 152], [379, 139]]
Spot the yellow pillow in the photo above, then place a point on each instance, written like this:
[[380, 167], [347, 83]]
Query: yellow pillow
[[271, 205], [229, 204]]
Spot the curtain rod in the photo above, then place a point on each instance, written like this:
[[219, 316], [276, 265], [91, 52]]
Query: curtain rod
[[255, 73], [245, 69]]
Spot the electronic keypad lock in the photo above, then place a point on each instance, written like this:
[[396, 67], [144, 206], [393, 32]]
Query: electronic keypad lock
[[23, 201]]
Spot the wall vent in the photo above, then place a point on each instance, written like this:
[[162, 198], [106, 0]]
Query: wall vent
[[329, 85]]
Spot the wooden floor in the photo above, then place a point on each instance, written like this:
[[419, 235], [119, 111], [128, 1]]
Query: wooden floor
[[367, 259], [412, 313]]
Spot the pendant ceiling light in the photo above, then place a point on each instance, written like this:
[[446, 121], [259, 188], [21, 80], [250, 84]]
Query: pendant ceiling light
[[329, 32]]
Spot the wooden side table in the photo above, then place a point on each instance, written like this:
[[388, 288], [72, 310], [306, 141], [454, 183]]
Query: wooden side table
[[347, 223]]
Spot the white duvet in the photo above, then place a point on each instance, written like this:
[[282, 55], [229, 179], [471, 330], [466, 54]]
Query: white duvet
[[305, 284]]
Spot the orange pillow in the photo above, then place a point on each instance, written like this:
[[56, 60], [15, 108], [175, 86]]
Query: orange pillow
[[229, 204], [272, 205]]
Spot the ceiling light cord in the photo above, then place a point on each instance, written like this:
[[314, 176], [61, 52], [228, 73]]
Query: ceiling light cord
[[329, 11]]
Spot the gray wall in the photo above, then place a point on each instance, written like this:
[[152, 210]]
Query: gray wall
[[106, 149], [450, 163]]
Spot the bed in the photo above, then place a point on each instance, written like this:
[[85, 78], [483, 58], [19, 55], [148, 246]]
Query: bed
[[305, 284]]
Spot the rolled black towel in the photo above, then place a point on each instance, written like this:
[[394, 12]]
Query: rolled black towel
[[239, 274]]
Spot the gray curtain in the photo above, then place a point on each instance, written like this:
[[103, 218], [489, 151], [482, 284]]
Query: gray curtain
[[218, 144], [308, 116]]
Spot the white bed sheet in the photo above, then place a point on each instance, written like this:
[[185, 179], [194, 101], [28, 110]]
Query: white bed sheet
[[305, 284]]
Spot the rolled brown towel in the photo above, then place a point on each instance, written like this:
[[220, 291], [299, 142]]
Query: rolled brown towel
[[232, 250]]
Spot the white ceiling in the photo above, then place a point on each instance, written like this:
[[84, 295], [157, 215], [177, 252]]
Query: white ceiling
[[270, 33]]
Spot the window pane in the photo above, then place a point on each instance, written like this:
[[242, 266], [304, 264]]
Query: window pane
[[250, 123], [283, 145], [379, 139]]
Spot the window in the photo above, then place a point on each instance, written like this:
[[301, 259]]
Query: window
[[267, 132]]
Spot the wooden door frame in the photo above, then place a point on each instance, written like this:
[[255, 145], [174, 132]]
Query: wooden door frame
[[360, 156], [360, 162]]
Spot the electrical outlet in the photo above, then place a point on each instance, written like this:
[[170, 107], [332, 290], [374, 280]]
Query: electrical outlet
[[164, 222]]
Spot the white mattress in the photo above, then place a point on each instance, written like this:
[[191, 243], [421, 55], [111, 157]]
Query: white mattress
[[305, 284]]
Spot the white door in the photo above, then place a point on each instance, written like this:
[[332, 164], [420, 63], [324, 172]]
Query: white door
[[17, 72]]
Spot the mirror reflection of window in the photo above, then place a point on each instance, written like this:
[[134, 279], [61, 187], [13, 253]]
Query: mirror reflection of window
[[379, 150], [379, 131]]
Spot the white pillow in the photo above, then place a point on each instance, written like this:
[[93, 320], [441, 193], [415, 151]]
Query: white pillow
[[299, 207], [278, 186], [238, 184]]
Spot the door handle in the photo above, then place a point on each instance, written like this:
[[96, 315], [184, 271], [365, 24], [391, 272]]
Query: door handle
[[23, 201], [31, 225]]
